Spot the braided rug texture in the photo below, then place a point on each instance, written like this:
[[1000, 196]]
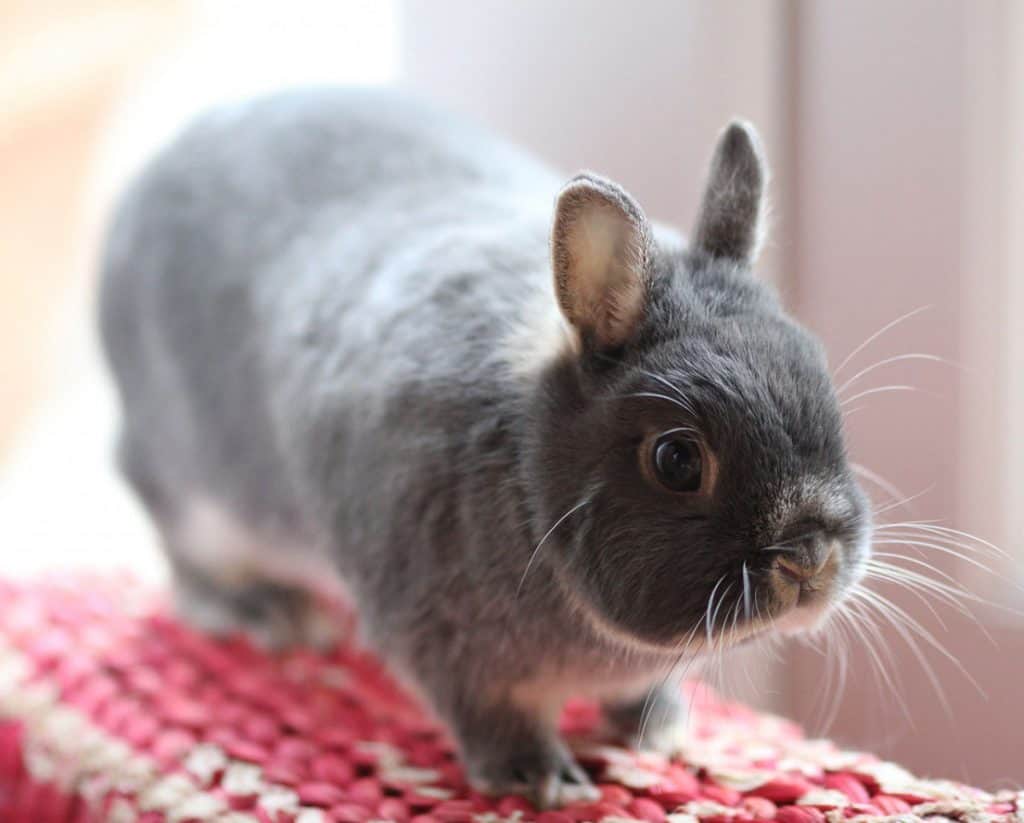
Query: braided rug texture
[[111, 710]]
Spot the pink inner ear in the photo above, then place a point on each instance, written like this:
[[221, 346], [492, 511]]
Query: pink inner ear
[[600, 255]]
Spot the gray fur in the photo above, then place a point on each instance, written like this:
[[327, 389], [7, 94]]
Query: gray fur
[[331, 316], [732, 218], [602, 301]]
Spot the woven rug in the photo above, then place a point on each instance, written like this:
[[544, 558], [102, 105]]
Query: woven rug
[[110, 710]]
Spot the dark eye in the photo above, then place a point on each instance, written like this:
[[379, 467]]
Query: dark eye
[[677, 462]]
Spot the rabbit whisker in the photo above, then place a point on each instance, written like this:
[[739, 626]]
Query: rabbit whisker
[[876, 335], [885, 362], [547, 534]]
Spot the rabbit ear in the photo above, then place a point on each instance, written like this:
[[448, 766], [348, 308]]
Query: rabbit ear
[[600, 248], [732, 216]]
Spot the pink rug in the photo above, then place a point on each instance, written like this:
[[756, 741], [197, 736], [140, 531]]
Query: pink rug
[[110, 710]]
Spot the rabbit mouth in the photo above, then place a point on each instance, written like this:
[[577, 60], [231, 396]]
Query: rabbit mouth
[[807, 604], [777, 599], [807, 613], [794, 593], [804, 618]]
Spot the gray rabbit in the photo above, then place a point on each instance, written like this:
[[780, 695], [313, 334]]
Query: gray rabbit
[[546, 447]]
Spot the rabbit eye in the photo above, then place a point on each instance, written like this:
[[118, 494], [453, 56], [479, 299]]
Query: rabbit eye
[[677, 462]]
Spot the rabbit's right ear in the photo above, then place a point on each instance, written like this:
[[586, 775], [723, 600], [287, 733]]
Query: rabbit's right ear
[[600, 250], [732, 218]]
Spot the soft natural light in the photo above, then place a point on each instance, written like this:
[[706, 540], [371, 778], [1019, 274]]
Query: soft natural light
[[232, 49]]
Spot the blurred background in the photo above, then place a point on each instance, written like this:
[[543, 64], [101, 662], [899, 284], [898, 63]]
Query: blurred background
[[894, 129]]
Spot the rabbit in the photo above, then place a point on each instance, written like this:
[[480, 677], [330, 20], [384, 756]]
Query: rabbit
[[546, 446]]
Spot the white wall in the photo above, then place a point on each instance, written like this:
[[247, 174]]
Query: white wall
[[905, 185], [636, 91], [61, 504]]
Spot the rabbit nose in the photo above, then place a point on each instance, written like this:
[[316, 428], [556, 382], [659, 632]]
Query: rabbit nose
[[806, 560]]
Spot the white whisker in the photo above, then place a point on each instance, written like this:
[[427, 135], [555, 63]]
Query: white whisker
[[918, 584], [714, 617], [877, 390], [548, 534], [877, 479], [746, 592], [915, 590], [898, 358], [934, 527], [904, 502], [655, 395], [674, 389], [876, 335], [883, 607], [899, 540], [648, 706], [707, 611], [881, 671], [911, 624]]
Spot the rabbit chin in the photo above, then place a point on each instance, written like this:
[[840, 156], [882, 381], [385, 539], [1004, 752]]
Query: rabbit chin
[[801, 619], [812, 615]]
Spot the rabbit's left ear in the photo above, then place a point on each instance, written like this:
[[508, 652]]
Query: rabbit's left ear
[[732, 218], [600, 250]]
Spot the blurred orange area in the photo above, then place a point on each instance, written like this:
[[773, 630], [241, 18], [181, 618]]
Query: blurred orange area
[[62, 65]]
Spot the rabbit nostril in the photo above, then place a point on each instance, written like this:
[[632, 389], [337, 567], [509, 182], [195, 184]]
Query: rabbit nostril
[[806, 566], [797, 572]]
